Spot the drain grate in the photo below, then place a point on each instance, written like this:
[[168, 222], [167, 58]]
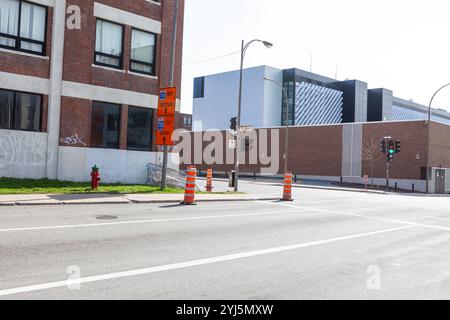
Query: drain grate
[[106, 217]]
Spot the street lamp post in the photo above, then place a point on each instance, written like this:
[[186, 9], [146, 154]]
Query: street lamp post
[[238, 119], [428, 177], [286, 119]]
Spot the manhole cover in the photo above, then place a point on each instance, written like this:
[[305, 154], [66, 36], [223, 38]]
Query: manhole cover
[[105, 217]]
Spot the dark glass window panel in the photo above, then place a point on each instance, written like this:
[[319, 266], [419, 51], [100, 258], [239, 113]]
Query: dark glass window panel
[[6, 109], [27, 115], [105, 125], [199, 87], [139, 129]]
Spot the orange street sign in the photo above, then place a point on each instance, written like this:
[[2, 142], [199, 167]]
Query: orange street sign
[[167, 102], [164, 130]]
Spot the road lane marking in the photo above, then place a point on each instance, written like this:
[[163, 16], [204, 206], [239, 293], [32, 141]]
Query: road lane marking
[[193, 263], [404, 222], [431, 217], [106, 224]]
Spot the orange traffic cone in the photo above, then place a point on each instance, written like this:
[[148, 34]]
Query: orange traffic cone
[[189, 192], [287, 193], [209, 179]]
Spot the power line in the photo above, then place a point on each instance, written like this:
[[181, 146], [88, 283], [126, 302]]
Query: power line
[[211, 59]]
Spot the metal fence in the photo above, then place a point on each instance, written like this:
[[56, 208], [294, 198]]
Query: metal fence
[[175, 178]]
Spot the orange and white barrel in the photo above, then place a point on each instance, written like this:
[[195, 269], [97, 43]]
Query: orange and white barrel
[[189, 191], [209, 180], [287, 192]]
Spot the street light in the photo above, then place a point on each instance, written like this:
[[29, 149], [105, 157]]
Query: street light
[[286, 119], [244, 48], [428, 135]]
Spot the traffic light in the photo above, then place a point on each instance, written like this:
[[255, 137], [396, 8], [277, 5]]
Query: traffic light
[[391, 150], [233, 124], [383, 146], [398, 146], [392, 145]]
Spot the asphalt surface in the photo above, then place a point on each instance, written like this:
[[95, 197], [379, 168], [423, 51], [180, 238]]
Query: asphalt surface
[[324, 245]]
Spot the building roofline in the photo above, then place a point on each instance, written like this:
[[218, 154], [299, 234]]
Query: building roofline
[[421, 108], [237, 70]]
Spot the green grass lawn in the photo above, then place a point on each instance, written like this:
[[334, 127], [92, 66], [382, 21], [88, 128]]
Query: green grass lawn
[[45, 186]]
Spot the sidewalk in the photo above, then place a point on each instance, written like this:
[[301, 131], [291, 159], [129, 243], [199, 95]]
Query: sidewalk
[[302, 184], [83, 199]]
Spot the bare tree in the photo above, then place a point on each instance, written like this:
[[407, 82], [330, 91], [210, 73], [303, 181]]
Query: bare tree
[[371, 155]]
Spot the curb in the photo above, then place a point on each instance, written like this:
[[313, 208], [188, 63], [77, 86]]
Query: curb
[[7, 204], [274, 184], [29, 204]]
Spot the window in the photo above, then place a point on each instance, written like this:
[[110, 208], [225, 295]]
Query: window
[[143, 46], [105, 125], [23, 26], [187, 121], [20, 111], [108, 44], [139, 129], [199, 87]]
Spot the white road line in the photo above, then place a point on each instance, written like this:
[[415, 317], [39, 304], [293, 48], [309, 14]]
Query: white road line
[[193, 263], [404, 222], [431, 217], [106, 224]]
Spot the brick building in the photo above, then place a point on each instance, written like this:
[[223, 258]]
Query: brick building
[[74, 93], [335, 152]]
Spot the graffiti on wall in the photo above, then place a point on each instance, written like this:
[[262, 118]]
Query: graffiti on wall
[[22, 149], [73, 140]]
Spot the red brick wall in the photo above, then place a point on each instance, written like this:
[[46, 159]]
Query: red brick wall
[[440, 145], [28, 65], [80, 46], [317, 150], [76, 120], [44, 114], [312, 151], [404, 165], [123, 128], [79, 58]]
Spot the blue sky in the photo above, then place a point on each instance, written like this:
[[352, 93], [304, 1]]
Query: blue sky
[[402, 45]]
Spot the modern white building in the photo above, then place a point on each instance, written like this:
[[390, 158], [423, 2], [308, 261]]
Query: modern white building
[[312, 100], [216, 97]]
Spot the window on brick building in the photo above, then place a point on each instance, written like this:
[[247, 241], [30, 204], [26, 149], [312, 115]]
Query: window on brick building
[[109, 44], [143, 46], [105, 125], [139, 134], [22, 26], [20, 111]]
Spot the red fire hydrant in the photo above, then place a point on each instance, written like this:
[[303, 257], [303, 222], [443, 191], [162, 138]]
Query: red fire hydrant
[[95, 178]]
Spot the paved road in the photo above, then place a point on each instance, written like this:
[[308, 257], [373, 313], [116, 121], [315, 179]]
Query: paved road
[[325, 245]]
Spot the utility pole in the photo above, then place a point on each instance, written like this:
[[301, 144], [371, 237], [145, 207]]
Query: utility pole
[[170, 84]]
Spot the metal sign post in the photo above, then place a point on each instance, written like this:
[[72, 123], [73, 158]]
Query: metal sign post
[[166, 125]]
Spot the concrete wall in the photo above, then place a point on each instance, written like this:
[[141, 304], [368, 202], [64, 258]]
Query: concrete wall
[[352, 150], [116, 166], [23, 154]]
